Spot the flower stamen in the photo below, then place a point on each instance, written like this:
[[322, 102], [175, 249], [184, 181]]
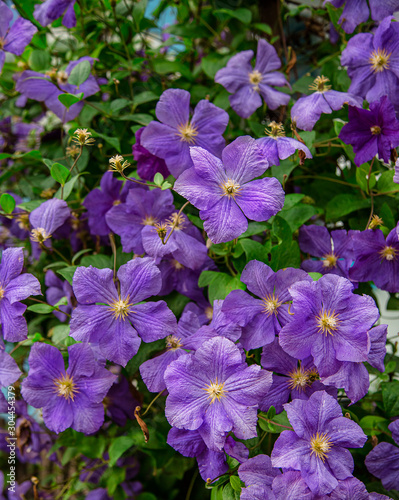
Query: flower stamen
[[319, 84], [39, 235], [65, 387], [327, 321], [270, 304], [275, 130], [255, 78], [173, 343], [330, 260], [320, 445], [215, 391], [120, 308], [230, 188], [299, 379], [187, 132], [388, 253], [379, 60]]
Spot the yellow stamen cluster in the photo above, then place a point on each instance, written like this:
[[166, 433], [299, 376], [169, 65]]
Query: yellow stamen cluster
[[47, 193], [215, 391], [375, 130], [118, 163], [161, 229], [23, 221], [375, 222], [72, 151], [379, 60], [320, 445], [327, 321], [173, 343], [230, 188], [209, 313], [39, 235], [177, 266], [120, 308], [270, 304], [330, 260], [388, 253], [2, 292], [149, 220], [299, 379], [319, 84], [82, 137], [187, 132], [177, 221], [65, 387], [275, 130], [255, 78]]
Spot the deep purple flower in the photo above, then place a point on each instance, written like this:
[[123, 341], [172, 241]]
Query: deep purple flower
[[15, 287], [147, 164], [383, 461], [317, 446], [354, 376], [376, 259], [329, 322], [258, 474], [307, 110], [353, 489], [171, 139], [186, 243], [215, 392], [57, 289], [372, 61], [50, 10], [101, 200], [40, 87], [142, 208], [9, 371], [335, 250], [113, 318], [71, 398], [248, 84], [357, 11], [13, 39], [277, 147], [211, 463], [225, 192], [45, 220], [189, 336], [291, 378], [372, 132], [121, 401], [262, 318]]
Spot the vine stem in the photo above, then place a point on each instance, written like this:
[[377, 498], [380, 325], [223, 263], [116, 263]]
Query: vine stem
[[113, 246], [175, 222], [142, 183], [152, 402], [275, 423], [47, 304], [370, 193]]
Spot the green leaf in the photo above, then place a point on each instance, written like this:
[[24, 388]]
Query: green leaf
[[80, 253], [143, 97], [263, 27], [140, 118], [59, 173], [212, 63], [119, 104], [166, 185], [99, 261], [344, 204], [285, 255], [41, 308], [315, 276], [229, 493], [118, 448], [69, 99], [243, 15], [235, 483], [281, 229], [112, 141], [7, 203], [116, 477], [67, 273], [361, 177], [220, 284], [255, 228], [29, 206], [59, 333], [39, 60], [158, 179], [80, 73], [254, 250], [62, 302], [373, 425], [68, 187], [390, 397], [385, 182], [139, 11], [298, 215]]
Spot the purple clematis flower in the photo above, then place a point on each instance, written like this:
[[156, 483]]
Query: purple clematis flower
[[383, 461], [171, 139], [16, 493], [262, 318], [376, 259], [57, 289], [215, 392], [211, 463], [71, 398], [372, 61], [372, 132], [9, 371], [317, 445], [13, 39], [329, 323], [353, 489], [248, 84], [225, 192], [189, 336], [121, 401], [45, 220], [113, 318], [354, 377], [141, 208], [307, 110], [40, 87], [100, 201], [291, 486], [334, 250], [295, 380], [357, 11], [277, 147], [147, 164], [258, 474], [50, 10], [15, 287]]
